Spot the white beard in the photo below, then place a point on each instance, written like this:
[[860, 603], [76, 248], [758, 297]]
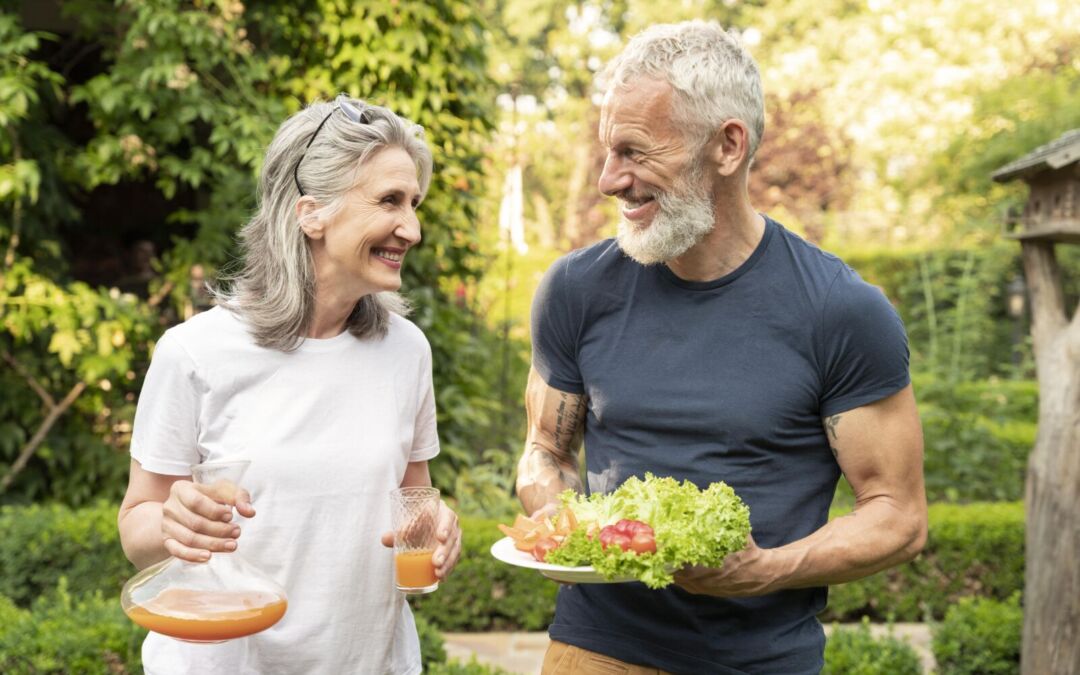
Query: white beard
[[683, 220]]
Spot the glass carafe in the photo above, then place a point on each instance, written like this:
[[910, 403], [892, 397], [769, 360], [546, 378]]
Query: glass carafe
[[221, 599]]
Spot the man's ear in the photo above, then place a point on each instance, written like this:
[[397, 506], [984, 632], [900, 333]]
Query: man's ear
[[730, 146], [307, 216]]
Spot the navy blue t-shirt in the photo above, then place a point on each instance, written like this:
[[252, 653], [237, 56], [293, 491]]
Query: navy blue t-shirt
[[726, 380]]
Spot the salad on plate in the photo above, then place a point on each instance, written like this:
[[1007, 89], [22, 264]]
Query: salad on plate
[[644, 530]]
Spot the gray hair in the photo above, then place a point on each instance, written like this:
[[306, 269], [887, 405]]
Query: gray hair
[[714, 78], [274, 289]]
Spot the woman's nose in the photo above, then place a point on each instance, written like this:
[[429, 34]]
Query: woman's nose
[[408, 229]]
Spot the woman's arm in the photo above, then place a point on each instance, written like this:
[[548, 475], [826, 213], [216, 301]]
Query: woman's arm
[[169, 515]]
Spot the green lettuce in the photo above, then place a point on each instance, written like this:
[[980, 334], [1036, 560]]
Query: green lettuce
[[692, 527]]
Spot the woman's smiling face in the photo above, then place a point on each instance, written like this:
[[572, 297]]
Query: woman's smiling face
[[361, 247]]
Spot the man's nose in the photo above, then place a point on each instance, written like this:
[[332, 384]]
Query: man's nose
[[614, 178]]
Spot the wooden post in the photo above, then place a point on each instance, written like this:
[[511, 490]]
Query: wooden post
[[1051, 641]]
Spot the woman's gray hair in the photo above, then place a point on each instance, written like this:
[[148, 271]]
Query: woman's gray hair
[[714, 78], [274, 289]]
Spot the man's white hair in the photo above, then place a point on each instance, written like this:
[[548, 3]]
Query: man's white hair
[[713, 77]]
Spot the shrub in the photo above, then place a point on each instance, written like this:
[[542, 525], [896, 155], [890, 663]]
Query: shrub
[[485, 594], [432, 645], [973, 549], [39, 544], [980, 636], [854, 651], [64, 634], [978, 436]]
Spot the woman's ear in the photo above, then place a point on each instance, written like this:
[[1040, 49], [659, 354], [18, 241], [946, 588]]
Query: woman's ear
[[730, 146], [307, 216]]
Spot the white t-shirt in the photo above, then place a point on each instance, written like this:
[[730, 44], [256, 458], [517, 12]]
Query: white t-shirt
[[329, 430]]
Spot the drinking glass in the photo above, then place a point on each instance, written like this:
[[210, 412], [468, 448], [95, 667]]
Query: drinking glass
[[414, 516]]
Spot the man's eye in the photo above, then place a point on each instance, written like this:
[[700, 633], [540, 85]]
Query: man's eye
[[392, 199]]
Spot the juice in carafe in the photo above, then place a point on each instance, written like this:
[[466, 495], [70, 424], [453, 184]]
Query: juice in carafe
[[208, 616]]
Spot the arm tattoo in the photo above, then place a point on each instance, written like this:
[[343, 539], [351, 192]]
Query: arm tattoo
[[567, 422], [830, 425]]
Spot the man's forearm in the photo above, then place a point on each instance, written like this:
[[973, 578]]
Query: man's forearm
[[877, 535], [542, 477]]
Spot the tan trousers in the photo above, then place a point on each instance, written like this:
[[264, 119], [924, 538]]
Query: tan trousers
[[564, 659]]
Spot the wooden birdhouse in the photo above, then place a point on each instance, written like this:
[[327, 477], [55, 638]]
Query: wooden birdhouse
[[1052, 212]]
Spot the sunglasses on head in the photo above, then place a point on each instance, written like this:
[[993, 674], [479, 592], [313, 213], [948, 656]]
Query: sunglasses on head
[[354, 113]]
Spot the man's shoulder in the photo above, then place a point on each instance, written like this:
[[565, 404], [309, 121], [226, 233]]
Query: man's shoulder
[[593, 262]]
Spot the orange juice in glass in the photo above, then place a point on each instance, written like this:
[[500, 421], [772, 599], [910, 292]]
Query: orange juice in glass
[[414, 516]]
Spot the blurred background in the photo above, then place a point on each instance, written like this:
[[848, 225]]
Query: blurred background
[[132, 133]]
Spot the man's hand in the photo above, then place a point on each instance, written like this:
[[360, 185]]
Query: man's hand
[[448, 534], [744, 573]]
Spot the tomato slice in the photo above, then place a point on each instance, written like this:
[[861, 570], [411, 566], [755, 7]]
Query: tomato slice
[[543, 547]]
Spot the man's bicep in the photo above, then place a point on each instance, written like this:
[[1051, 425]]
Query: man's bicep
[[556, 418], [879, 447]]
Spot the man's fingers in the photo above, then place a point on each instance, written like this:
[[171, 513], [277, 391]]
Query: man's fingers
[[388, 539]]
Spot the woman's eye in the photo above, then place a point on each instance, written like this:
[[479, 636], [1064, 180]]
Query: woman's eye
[[389, 200]]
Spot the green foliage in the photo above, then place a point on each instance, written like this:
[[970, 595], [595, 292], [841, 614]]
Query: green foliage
[[62, 633], [180, 106], [977, 436], [980, 636], [485, 594], [972, 550], [432, 645], [855, 651], [41, 544], [952, 302]]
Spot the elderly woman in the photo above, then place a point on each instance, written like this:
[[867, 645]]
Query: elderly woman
[[308, 369]]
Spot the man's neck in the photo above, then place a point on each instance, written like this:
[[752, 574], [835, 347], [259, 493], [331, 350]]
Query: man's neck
[[735, 236]]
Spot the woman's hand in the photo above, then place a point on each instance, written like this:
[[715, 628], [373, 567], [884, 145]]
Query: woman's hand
[[448, 534], [195, 519]]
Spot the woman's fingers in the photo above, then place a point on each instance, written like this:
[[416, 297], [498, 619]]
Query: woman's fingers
[[194, 524], [197, 540]]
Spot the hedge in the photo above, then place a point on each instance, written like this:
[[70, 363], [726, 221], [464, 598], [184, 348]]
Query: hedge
[[978, 436], [980, 636], [39, 544], [855, 651], [973, 550]]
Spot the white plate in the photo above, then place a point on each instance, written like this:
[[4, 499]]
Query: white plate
[[504, 550]]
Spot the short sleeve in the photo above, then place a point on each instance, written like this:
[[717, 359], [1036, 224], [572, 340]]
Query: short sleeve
[[865, 346], [425, 431], [554, 333], [164, 438]]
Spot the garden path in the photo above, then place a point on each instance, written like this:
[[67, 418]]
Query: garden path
[[523, 653]]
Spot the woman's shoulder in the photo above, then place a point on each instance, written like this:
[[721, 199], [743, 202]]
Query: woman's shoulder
[[407, 334]]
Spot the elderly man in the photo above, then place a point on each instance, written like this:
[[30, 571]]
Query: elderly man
[[707, 342]]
